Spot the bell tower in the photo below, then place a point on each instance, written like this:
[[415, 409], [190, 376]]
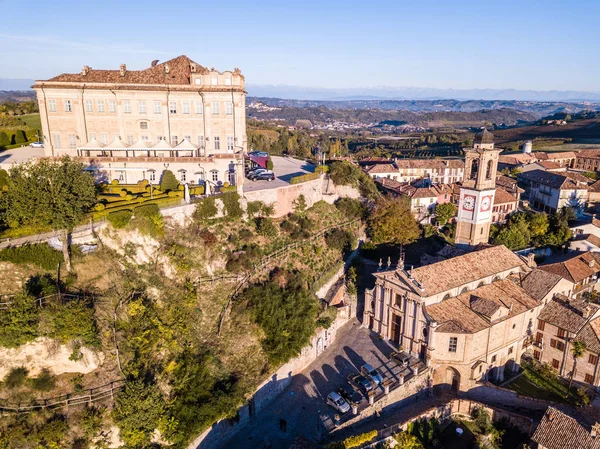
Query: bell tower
[[477, 191]]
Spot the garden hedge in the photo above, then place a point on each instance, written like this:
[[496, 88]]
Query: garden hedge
[[304, 178]]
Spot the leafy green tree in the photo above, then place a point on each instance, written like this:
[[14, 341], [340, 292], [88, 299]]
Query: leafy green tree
[[16, 377], [393, 222], [20, 136], [445, 212], [352, 208], [538, 224], [138, 411], [407, 441], [286, 312], [299, 205], [577, 350], [48, 193], [269, 163], [168, 181], [4, 139], [19, 323]]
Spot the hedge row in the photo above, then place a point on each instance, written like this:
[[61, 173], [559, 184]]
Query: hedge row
[[41, 255], [322, 169], [304, 178]]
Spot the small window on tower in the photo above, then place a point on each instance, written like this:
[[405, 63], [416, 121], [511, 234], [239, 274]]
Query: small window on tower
[[474, 168], [488, 172]]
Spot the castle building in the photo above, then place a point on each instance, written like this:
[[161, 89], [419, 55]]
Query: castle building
[[477, 191], [131, 125], [467, 317]]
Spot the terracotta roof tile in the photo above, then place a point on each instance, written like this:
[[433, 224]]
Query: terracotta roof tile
[[503, 197], [179, 74], [590, 335], [577, 268], [557, 430], [470, 312], [564, 180], [451, 273], [567, 314], [538, 283], [382, 168]]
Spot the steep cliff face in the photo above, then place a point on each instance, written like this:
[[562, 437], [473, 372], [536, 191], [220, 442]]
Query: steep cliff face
[[46, 353]]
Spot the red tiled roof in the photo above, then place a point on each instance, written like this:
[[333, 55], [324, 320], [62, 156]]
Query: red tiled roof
[[557, 430], [179, 72], [503, 197], [577, 268], [382, 168]]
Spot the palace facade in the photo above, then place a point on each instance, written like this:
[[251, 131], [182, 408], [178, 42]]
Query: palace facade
[[131, 125]]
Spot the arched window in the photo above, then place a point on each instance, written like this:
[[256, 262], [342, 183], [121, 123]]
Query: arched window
[[488, 171], [474, 168]]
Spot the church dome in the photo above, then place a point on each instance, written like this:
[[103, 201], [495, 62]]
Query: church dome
[[484, 137]]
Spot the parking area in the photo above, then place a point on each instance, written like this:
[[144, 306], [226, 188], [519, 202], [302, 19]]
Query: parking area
[[303, 403], [285, 168]]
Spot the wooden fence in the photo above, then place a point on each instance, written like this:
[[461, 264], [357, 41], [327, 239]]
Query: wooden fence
[[67, 400], [9, 299]]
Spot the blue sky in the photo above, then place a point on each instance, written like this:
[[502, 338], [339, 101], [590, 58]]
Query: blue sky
[[525, 44]]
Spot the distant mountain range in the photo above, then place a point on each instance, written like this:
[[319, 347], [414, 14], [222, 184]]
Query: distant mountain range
[[415, 93], [383, 93]]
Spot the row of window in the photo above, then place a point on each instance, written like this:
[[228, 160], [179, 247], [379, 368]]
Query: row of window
[[214, 176], [186, 106], [104, 139]]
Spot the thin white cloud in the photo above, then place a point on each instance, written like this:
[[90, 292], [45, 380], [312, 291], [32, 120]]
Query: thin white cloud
[[53, 41]]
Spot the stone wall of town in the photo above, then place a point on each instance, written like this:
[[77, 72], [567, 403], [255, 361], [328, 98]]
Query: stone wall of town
[[491, 394]]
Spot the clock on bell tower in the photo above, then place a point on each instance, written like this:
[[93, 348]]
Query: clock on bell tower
[[477, 191]]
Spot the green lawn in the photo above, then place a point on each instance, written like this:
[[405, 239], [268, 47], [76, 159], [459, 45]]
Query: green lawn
[[535, 385], [32, 120]]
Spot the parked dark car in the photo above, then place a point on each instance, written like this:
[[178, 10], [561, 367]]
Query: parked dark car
[[402, 359], [350, 394], [255, 171], [360, 383], [263, 176]]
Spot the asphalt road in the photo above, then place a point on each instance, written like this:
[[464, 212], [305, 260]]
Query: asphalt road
[[285, 169], [302, 404]]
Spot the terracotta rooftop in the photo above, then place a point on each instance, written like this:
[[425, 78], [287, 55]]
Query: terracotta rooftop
[[178, 73], [577, 268], [557, 430], [563, 181], [437, 164], [538, 283], [555, 155], [516, 159], [567, 314], [470, 312], [506, 181], [595, 187], [503, 197], [590, 335], [374, 160], [549, 165], [381, 168], [589, 154], [470, 267], [407, 189]]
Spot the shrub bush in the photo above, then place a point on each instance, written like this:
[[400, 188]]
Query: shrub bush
[[120, 219], [322, 169], [206, 209], [265, 227], [45, 381], [114, 182], [304, 178], [168, 181], [41, 255], [73, 320], [148, 219], [16, 377], [359, 440], [338, 239], [351, 208], [209, 238], [123, 193], [246, 234], [231, 201]]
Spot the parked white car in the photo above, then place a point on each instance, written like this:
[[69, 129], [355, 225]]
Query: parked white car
[[338, 402], [36, 144]]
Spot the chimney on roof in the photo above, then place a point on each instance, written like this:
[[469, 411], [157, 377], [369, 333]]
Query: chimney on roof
[[531, 260], [587, 311], [550, 415], [153, 63], [123, 69], [86, 69], [167, 68], [595, 430]]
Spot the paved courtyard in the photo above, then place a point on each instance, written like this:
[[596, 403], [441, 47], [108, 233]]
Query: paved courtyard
[[285, 168], [302, 404]]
